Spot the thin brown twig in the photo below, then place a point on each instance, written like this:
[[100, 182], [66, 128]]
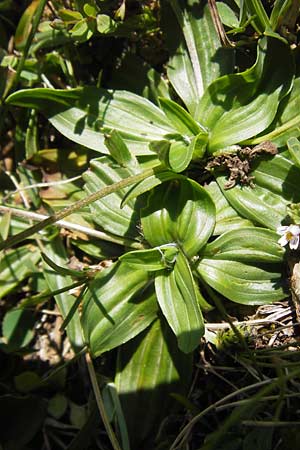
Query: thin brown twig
[[218, 24]]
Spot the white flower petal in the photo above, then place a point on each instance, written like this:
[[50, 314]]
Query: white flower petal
[[294, 229], [283, 241], [282, 230], [294, 242]]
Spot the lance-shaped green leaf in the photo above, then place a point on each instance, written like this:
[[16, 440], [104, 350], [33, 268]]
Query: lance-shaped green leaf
[[250, 119], [260, 20], [232, 91], [62, 270], [276, 186], [179, 117], [180, 73], [287, 121], [226, 217], [227, 15], [119, 150], [106, 211], [25, 24], [246, 245], [152, 259], [5, 225], [249, 284], [67, 15], [117, 307], [197, 55], [180, 211], [85, 114], [259, 205], [177, 298], [245, 266], [149, 369], [239, 106], [41, 97]]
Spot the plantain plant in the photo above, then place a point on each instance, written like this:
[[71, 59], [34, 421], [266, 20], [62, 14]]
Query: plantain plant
[[209, 181]]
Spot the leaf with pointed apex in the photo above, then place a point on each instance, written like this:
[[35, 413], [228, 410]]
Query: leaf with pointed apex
[[232, 91], [279, 10], [227, 15], [179, 117], [117, 307], [244, 121], [180, 73], [62, 270], [240, 106], [85, 114], [245, 266], [243, 283], [286, 124], [260, 20], [119, 150], [25, 24], [177, 298], [153, 259], [198, 57], [181, 212], [246, 245], [68, 15]]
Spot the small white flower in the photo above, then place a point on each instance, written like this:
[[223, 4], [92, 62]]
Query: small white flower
[[289, 235]]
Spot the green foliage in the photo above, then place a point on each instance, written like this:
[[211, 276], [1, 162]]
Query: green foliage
[[15, 266], [149, 368], [276, 184], [116, 307], [17, 329], [245, 266], [179, 212], [152, 194]]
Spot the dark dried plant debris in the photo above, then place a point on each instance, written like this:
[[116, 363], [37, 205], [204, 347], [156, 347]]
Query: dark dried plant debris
[[239, 164], [294, 269]]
